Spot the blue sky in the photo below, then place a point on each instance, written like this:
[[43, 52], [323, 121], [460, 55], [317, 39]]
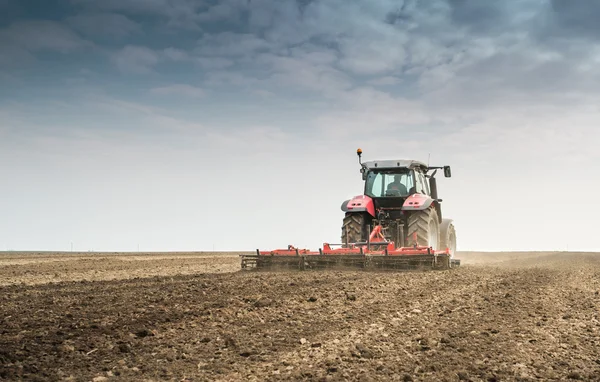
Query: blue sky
[[188, 124]]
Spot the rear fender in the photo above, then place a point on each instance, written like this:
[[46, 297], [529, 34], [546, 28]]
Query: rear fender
[[417, 202], [360, 203]]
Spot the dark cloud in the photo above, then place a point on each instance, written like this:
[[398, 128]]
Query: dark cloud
[[41, 36], [457, 47], [177, 14], [19, 10], [570, 18], [104, 24], [302, 4], [130, 6], [482, 17], [398, 15]]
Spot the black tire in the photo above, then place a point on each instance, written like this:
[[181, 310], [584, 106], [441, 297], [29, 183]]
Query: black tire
[[353, 229], [448, 238], [423, 223]]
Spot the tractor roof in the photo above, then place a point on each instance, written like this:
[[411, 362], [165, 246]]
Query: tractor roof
[[395, 163]]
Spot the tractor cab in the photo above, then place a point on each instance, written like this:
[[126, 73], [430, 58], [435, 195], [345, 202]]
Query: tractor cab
[[389, 188], [393, 180]]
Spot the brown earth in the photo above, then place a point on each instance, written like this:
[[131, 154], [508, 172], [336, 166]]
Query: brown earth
[[193, 317]]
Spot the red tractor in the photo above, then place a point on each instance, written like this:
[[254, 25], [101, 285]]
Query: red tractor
[[401, 197]]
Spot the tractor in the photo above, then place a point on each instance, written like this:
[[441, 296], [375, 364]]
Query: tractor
[[396, 224], [401, 197]]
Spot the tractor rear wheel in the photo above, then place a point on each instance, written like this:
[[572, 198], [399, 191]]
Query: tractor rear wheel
[[353, 228], [448, 237], [427, 227]]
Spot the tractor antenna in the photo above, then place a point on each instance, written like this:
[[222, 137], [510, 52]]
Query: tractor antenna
[[428, 159]]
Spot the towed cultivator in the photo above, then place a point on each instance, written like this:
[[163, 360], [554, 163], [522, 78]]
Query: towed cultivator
[[396, 224], [369, 255]]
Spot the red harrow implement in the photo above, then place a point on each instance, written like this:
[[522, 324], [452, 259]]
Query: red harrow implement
[[375, 254]]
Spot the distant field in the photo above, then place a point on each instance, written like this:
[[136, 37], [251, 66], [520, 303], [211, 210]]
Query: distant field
[[43, 267]]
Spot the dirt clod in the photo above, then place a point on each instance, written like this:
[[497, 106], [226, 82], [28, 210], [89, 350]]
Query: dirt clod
[[143, 333], [364, 351], [263, 302]]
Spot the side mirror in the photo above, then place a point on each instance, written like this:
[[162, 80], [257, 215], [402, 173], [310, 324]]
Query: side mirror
[[447, 172], [364, 173]]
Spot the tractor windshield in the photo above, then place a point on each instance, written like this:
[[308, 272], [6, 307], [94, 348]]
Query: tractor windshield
[[387, 183]]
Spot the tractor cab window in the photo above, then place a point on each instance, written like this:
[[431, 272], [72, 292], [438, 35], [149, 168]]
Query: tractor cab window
[[382, 184]]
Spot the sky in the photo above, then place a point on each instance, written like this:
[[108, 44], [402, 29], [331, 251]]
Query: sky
[[193, 125]]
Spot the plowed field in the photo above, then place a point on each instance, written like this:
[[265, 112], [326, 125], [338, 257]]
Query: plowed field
[[194, 317]]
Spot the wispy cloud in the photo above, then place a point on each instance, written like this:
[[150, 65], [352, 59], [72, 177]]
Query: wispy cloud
[[21, 41], [135, 60], [177, 14], [212, 63], [42, 35], [175, 54], [179, 90], [104, 24], [385, 81]]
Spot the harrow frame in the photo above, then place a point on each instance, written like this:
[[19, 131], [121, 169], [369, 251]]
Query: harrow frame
[[355, 255]]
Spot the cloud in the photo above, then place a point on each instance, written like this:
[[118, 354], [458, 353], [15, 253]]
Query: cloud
[[214, 62], [478, 16], [231, 44], [572, 19], [225, 10], [263, 93], [372, 58], [385, 81], [177, 14], [14, 57], [179, 89], [41, 35], [22, 41], [104, 24], [135, 60], [176, 54], [305, 75], [134, 6]]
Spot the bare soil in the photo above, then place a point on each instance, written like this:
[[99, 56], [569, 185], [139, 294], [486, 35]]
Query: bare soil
[[195, 317]]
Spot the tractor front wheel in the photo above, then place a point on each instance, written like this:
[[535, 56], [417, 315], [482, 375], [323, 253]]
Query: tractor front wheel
[[426, 226]]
